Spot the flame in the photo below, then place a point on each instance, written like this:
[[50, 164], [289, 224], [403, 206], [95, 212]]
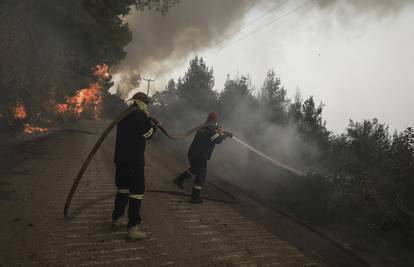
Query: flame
[[102, 72], [30, 129], [87, 97], [20, 111], [83, 98], [61, 108]]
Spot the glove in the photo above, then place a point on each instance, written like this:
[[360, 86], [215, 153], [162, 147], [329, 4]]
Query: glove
[[228, 134], [155, 122]]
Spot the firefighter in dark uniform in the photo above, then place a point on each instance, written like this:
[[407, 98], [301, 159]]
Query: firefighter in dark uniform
[[132, 133], [199, 153]]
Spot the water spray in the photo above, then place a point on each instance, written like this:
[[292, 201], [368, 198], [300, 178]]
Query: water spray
[[271, 160], [169, 135]]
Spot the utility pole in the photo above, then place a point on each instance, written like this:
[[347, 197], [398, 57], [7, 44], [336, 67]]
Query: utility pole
[[149, 80]]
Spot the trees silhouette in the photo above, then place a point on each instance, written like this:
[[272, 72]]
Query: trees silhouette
[[364, 171]]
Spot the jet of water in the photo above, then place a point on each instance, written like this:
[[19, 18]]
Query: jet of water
[[273, 161]]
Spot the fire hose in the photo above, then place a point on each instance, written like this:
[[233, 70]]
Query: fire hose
[[164, 131], [177, 137], [99, 143]]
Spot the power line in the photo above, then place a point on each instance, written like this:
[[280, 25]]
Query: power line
[[237, 17], [149, 80], [279, 5], [265, 14], [266, 25], [225, 25]]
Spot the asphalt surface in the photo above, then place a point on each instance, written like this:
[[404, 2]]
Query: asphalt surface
[[36, 177]]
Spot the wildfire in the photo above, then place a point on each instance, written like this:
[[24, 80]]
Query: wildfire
[[21, 114], [30, 129], [62, 108], [20, 111], [84, 99], [102, 72], [87, 97]]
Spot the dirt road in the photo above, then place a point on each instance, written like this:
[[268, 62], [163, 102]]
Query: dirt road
[[36, 177]]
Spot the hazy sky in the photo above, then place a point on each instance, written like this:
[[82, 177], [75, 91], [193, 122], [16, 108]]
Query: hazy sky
[[360, 64]]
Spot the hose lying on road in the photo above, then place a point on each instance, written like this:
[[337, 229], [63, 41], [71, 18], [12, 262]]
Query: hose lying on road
[[177, 137], [92, 202], [99, 143], [164, 131]]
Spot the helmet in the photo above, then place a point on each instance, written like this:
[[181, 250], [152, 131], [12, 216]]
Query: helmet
[[212, 117], [142, 97]]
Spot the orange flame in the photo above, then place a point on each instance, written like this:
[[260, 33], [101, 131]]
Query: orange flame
[[62, 108], [20, 111], [102, 72], [87, 97], [83, 98], [30, 129]]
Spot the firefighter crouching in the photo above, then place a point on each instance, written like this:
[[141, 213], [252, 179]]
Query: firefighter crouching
[[199, 153], [132, 133]]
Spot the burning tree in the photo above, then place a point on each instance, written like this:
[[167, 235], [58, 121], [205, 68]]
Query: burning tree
[[50, 48]]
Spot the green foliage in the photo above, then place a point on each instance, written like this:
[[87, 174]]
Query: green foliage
[[295, 109], [195, 89], [274, 100], [368, 174], [369, 142], [236, 92]]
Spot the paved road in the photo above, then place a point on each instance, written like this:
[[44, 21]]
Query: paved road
[[36, 178]]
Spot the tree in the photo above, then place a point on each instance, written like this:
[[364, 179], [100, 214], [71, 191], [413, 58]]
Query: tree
[[370, 143], [168, 97], [50, 50], [236, 91], [311, 125], [195, 89], [295, 109], [273, 97]]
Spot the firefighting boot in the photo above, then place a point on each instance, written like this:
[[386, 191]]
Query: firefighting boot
[[195, 197], [119, 223], [179, 180], [136, 233]]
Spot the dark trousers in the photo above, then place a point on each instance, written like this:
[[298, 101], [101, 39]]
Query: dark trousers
[[198, 167], [130, 182]]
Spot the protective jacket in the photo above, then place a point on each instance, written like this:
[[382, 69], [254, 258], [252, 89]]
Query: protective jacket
[[204, 142], [131, 135]]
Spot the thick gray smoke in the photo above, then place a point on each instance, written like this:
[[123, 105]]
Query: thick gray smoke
[[162, 42], [381, 7]]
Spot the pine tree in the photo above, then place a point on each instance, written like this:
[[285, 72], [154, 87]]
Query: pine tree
[[195, 89], [273, 97], [168, 97]]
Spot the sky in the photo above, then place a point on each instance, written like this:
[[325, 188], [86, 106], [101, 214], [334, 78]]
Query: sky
[[357, 60]]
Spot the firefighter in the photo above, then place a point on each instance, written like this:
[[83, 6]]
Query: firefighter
[[132, 133], [199, 153]]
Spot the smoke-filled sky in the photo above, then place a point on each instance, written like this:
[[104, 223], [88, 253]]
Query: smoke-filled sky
[[355, 56]]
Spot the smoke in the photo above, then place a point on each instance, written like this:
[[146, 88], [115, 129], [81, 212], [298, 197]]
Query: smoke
[[380, 7], [163, 42], [128, 80]]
